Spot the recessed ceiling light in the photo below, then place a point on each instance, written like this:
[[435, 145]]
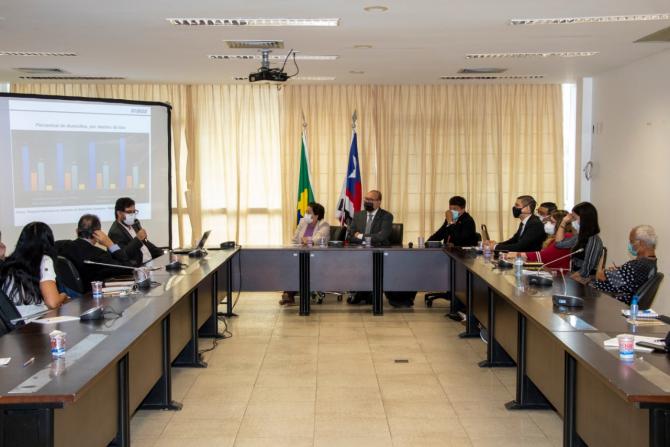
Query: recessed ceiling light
[[597, 19], [362, 47], [493, 77], [376, 8], [252, 22], [356, 72], [36, 53], [516, 55], [274, 57]]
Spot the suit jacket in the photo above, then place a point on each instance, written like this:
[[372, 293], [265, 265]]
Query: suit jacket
[[131, 246], [79, 250], [380, 230], [462, 233], [531, 240], [322, 230]]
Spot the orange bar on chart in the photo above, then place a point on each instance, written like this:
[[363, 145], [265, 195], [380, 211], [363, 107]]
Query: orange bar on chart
[[129, 182], [33, 181], [68, 181], [98, 181]]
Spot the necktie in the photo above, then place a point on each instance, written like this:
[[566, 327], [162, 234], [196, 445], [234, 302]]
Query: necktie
[[520, 230], [368, 225]]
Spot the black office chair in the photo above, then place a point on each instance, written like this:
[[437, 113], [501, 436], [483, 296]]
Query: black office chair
[[647, 292], [432, 296], [337, 233], [68, 278], [8, 312], [396, 234]]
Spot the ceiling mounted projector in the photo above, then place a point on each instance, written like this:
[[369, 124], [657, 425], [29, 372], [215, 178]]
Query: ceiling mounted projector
[[266, 74]]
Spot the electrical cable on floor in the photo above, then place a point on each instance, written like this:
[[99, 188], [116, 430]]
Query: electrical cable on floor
[[225, 334]]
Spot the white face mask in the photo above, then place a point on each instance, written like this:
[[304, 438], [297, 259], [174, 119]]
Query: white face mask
[[129, 219], [307, 218], [575, 226], [549, 228]]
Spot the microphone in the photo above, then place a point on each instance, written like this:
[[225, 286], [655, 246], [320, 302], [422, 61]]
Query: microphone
[[563, 299], [141, 275], [137, 226], [539, 280]]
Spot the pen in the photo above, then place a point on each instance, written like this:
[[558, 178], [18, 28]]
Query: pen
[[29, 361]]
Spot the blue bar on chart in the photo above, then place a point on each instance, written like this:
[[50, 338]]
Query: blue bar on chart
[[41, 181], [60, 168], [136, 177], [92, 177], [25, 168], [122, 163], [105, 176]]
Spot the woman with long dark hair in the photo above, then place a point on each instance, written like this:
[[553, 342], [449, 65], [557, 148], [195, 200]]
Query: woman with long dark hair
[[27, 276], [584, 220]]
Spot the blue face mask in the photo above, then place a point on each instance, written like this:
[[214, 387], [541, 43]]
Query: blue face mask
[[632, 250], [454, 214]]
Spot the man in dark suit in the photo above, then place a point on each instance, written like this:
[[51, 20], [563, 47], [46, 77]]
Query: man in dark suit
[[372, 221], [84, 248], [128, 234], [459, 227], [530, 236]]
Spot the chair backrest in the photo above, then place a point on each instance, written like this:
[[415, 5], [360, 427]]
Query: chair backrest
[[647, 292], [485, 233], [68, 275], [337, 233], [8, 312], [396, 234]]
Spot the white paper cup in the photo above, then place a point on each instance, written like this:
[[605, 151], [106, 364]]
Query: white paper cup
[[626, 346]]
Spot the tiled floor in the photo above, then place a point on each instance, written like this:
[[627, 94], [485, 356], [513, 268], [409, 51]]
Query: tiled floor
[[330, 379]]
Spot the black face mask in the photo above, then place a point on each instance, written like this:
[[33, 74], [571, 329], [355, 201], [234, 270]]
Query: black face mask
[[368, 207], [516, 212]]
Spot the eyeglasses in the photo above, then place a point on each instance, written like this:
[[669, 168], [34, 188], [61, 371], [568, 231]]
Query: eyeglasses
[[135, 213]]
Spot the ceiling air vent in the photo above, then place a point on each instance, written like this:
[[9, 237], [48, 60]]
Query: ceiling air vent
[[41, 71], [36, 53], [260, 44], [659, 36], [481, 70], [490, 78], [73, 78]]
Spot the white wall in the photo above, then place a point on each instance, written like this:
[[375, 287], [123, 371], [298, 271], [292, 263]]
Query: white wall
[[631, 155]]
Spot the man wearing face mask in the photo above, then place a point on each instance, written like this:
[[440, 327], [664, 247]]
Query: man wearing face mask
[[545, 210], [458, 228], [623, 282], [128, 234], [372, 222], [530, 235]]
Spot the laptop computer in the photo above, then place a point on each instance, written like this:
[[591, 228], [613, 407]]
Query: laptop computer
[[200, 246]]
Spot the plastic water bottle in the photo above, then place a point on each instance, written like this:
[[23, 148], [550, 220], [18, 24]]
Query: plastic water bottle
[[518, 266], [634, 308], [487, 252]]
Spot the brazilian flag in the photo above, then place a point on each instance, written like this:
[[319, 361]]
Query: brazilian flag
[[305, 192]]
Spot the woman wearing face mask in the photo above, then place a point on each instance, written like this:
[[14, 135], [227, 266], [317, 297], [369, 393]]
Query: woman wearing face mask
[[312, 228], [550, 253], [624, 282], [584, 220]]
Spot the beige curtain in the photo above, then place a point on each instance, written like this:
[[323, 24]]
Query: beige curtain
[[422, 144], [328, 112], [236, 151], [237, 136], [183, 179]]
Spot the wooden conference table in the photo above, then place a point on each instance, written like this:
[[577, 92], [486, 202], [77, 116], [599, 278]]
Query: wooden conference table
[[113, 367], [560, 358]]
